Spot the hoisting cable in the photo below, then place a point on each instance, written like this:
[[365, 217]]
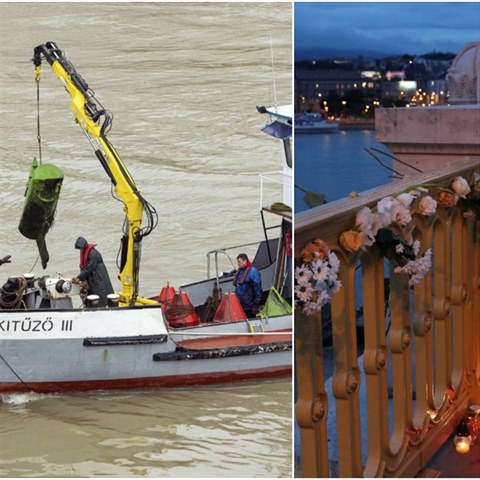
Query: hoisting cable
[[39, 138]]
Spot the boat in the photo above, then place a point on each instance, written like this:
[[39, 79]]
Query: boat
[[314, 123], [54, 338]]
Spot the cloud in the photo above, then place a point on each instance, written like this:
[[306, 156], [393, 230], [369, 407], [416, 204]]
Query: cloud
[[389, 27]]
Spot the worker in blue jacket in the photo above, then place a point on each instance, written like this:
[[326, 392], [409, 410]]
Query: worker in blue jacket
[[248, 285]]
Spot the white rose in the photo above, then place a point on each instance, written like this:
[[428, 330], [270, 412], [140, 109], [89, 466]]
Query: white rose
[[427, 205], [406, 199], [368, 224], [460, 187], [385, 211]]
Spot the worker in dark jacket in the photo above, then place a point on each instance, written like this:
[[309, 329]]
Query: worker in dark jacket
[[248, 285], [93, 271]]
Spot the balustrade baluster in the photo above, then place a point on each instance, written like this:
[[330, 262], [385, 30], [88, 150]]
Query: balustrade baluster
[[312, 405], [374, 362], [437, 321], [346, 379]]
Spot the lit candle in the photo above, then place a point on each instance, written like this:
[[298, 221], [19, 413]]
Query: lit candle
[[462, 446], [462, 438]]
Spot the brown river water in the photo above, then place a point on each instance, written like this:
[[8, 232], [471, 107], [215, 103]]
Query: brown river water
[[182, 80]]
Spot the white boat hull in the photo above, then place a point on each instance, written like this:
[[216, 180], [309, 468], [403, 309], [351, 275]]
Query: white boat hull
[[46, 345], [50, 351], [317, 128]]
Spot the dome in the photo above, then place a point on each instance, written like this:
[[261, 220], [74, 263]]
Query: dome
[[463, 77]]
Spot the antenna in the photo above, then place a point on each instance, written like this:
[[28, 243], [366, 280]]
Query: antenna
[[273, 74]]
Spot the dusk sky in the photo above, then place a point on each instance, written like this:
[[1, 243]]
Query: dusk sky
[[383, 28]]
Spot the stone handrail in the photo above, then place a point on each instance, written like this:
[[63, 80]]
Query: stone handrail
[[429, 355]]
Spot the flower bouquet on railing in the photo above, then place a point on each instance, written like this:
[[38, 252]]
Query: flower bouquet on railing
[[316, 277], [404, 257], [373, 225]]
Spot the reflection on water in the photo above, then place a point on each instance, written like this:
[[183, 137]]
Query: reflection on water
[[182, 81], [334, 164]]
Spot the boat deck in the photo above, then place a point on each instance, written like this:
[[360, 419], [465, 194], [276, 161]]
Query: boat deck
[[283, 213], [234, 341]]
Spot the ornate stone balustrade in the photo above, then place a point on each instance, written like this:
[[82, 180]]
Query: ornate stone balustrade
[[387, 412], [432, 137]]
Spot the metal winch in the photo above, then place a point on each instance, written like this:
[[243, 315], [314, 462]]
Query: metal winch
[[56, 288]]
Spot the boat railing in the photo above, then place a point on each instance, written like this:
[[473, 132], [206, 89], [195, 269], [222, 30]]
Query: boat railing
[[269, 192], [390, 410], [224, 252]]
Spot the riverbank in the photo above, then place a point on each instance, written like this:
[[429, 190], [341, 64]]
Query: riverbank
[[356, 124]]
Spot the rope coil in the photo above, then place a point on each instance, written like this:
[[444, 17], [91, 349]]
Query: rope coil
[[17, 301]]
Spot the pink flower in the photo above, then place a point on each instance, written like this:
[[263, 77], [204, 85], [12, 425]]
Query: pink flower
[[460, 187], [427, 205], [401, 213], [363, 217]]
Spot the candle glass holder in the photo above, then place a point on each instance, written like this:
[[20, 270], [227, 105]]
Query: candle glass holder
[[462, 439]]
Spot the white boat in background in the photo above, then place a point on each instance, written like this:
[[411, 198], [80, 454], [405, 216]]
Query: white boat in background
[[196, 335], [314, 123]]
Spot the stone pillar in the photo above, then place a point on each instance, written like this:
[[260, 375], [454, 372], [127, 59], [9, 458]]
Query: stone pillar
[[431, 137]]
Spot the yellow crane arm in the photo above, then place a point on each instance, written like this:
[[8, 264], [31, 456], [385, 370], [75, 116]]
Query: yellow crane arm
[[96, 122]]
